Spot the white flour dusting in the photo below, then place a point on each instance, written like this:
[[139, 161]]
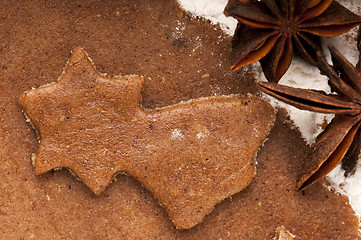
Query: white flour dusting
[[302, 75], [203, 133], [211, 10], [177, 134]]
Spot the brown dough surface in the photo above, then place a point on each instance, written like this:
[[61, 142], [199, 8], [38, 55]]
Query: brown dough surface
[[181, 58], [190, 155]]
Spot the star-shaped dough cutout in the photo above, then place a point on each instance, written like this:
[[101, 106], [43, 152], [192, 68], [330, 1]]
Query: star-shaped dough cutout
[[190, 155]]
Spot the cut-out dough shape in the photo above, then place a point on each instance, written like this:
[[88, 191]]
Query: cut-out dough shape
[[190, 155]]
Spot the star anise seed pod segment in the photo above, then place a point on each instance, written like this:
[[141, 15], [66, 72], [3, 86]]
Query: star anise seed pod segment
[[271, 30], [341, 140]]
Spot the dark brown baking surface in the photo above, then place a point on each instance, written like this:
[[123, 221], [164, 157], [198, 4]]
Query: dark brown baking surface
[[181, 58]]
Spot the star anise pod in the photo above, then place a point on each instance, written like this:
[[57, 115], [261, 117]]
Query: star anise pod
[[271, 30], [341, 140]]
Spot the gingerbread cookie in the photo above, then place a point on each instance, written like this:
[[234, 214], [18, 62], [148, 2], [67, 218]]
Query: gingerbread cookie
[[190, 155]]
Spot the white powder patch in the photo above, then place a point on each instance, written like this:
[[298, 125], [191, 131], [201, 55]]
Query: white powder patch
[[211, 10], [177, 134], [216, 90], [200, 135], [349, 186], [203, 133], [179, 29]]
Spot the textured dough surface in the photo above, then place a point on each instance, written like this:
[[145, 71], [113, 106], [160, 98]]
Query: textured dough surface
[[179, 53]]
